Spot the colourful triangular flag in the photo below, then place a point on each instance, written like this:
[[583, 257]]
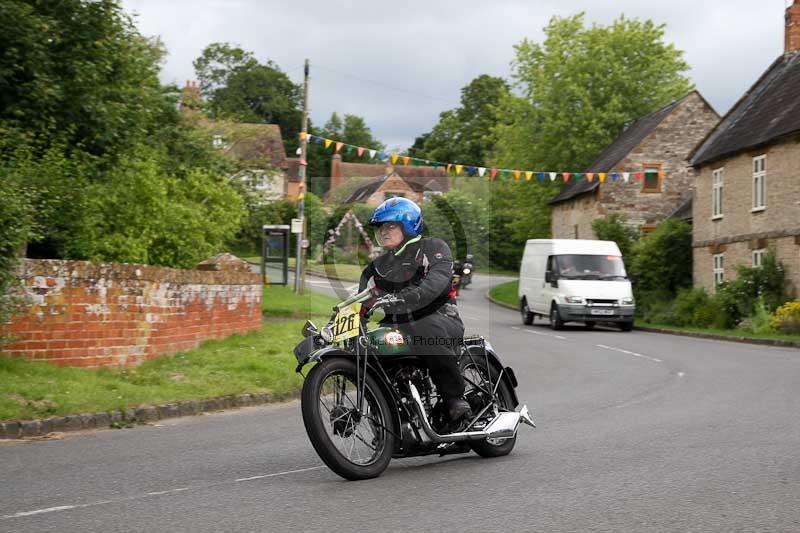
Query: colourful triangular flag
[[553, 176], [394, 158], [360, 151], [372, 153], [406, 159], [504, 173], [661, 174], [493, 172], [638, 176], [458, 169], [577, 176], [565, 175], [339, 146], [589, 176], [448, 167], [528, 175], [328, 142], [626, 176], [540, 176], [516, 174], [602, 177], [614, 176], [481, 171]]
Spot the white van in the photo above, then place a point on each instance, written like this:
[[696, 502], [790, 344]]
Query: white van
[[573, 280]]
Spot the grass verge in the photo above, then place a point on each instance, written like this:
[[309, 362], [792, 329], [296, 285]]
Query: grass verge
[[261, 361], [506, 292]]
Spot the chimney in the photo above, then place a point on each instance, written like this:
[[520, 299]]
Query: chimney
[[190, 97], [792, 33], [336, 172]]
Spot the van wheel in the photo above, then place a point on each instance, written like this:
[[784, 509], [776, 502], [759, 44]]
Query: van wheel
[[527, 316], [555, 319], [626, 326], [589, 325]]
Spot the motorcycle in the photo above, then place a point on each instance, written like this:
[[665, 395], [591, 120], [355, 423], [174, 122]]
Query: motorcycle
[[466, 273], [368, 400]]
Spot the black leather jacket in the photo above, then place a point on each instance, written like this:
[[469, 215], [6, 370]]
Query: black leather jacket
[[420, 273]]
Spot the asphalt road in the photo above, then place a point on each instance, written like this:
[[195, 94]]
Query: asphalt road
[[637, 432]]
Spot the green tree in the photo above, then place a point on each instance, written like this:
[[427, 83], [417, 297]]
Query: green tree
[[217, 63], [353, 130], [580, 88], [614, 228], [463, 134], [662, 260], [85, 122]]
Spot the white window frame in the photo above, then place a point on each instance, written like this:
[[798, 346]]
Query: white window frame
[[758, 257], [717, 188], [759, 183], [719, 268]]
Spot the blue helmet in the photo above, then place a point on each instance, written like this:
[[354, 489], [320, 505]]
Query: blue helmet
[[400, 210]]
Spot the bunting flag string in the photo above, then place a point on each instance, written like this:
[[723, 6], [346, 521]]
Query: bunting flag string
[[459, 169]]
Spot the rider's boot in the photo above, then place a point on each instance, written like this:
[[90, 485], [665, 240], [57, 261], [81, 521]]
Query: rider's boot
[[458, 408]]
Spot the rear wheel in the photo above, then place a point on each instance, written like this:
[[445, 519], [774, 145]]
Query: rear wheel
[[527, 316], [354, 444], [589, 325], [478, 378], [555, 318]]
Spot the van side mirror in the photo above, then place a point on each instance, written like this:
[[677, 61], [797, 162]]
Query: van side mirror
[[634, 279], [550, 277]]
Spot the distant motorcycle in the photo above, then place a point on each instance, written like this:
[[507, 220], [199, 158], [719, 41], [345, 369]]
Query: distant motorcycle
[[367, 399], [466, 273]]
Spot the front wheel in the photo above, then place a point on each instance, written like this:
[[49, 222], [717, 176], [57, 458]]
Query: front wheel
[[478, 378], [555, 318], [626, 326], [527, 315], [356, 444]]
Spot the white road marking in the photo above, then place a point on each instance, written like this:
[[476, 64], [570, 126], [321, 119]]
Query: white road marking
[[681, 374], [149, 494], [654, 359], [515, 327], [159, 493], [541, 334], [41, 511], [470, 317], [280, 473]]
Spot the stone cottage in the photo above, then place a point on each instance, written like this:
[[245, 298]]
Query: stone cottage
[[653, 153], [747, 196]]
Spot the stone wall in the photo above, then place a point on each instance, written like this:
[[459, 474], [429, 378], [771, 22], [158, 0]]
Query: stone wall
[[741, 229], [109, 314], [573, 219], [668, 145]]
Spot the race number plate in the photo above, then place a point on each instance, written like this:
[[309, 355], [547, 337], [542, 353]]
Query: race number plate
[[602, 312], [346, 323]]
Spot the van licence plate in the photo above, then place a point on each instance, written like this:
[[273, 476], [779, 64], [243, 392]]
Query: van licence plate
[[604, 312]]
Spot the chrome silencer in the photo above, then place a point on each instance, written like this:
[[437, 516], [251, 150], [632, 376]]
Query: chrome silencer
[[504, 425]]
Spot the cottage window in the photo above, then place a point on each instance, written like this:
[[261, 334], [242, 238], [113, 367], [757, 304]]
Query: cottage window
[[716, 193], [758, 257], [719, 268], [652, 180], [759, 182], [216, 141]]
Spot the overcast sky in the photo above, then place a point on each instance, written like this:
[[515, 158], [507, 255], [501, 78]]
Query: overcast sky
[[399, 65]]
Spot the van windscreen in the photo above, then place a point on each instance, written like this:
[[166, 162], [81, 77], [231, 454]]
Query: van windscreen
[[606, 267]]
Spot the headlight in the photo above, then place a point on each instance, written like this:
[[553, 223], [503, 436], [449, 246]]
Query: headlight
[[326, 334], [574, 299], [626, 301], [466, 271]]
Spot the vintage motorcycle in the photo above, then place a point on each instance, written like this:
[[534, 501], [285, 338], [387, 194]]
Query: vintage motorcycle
[[367, 399]]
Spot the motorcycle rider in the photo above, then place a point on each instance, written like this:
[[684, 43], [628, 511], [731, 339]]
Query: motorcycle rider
[[418, 270]]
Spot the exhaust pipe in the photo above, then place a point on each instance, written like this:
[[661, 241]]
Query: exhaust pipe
[[502, 426]]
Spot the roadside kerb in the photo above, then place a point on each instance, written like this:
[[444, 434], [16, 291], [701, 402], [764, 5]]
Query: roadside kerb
[[18, 429], [746, 340]]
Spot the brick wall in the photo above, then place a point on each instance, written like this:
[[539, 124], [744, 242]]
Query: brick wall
[[740, 229], [108, 314]]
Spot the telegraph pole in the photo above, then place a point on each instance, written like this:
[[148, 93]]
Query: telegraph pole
[[299, 271]]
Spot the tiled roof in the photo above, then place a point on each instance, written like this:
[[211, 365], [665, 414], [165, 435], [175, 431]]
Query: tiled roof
[[684, 211], [351, 170], [770, 110], [416, 183], [617, 150]]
